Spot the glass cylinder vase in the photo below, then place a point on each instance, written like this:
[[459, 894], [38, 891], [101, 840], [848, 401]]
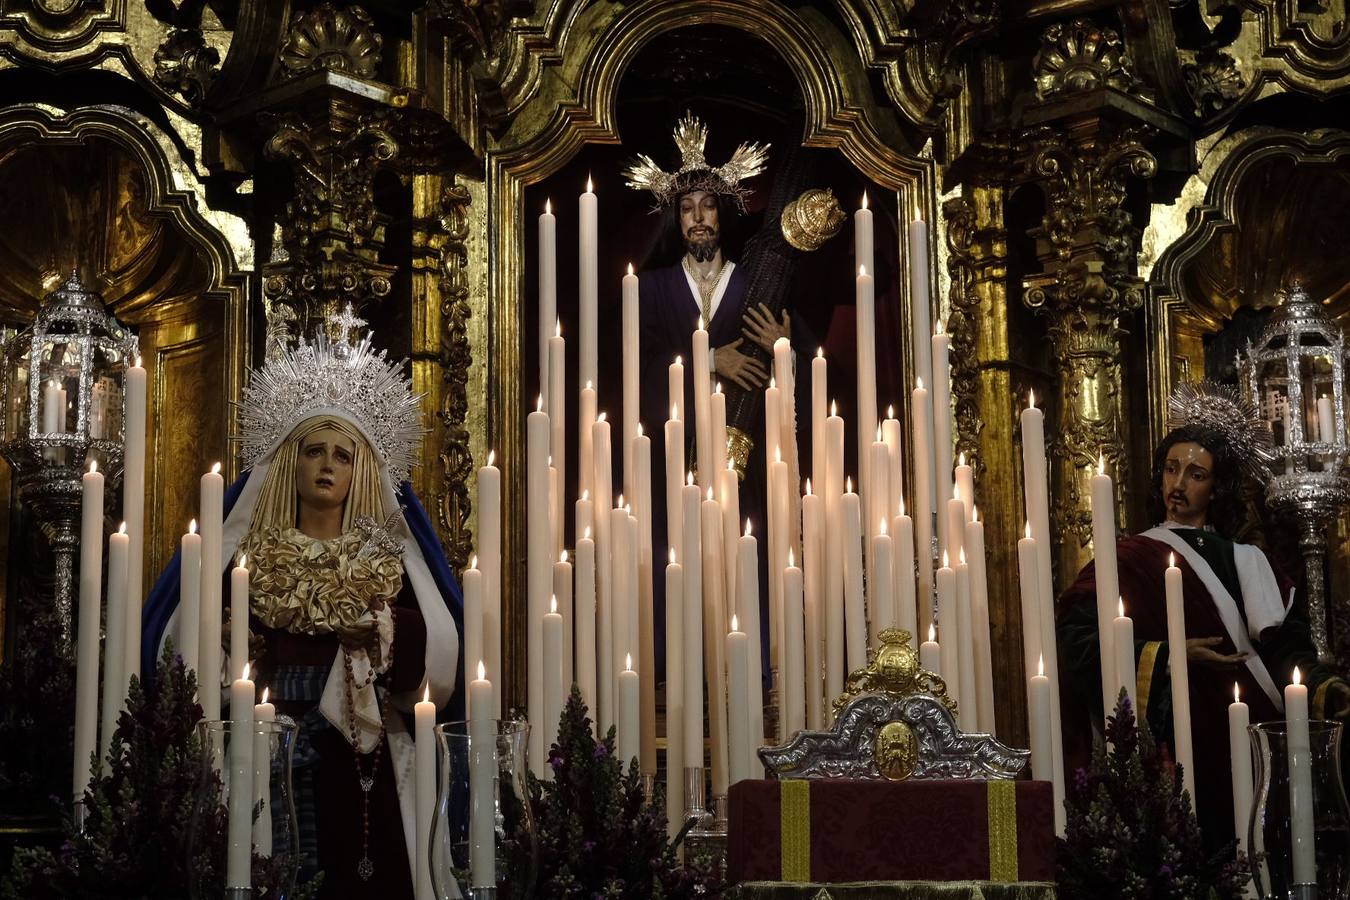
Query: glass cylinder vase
[[1270, 835], [245, 776], [483, 842]]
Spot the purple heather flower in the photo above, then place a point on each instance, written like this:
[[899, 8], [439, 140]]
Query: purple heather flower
[[601, 750]]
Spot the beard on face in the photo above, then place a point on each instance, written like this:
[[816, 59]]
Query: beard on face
[[702, 247]]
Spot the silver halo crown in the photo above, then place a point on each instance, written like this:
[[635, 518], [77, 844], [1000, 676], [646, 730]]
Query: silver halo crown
[[694, 173], [1221, 409], [323, 374]]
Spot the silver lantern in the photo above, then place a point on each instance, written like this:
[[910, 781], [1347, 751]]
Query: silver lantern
[[1295, 374], [64, 405]]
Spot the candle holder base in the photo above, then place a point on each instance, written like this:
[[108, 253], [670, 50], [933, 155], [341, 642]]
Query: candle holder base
[[696, 799], [707, 836], [720, 814]]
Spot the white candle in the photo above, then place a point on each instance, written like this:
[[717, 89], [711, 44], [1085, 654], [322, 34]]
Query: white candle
[[948, 620], [717, 410], [728, 495], [603, 494], [1240, 756], [585, 621], [538, 576], [472, 582], [1122, 642], [614, 615], [794, 700], [740, 758], [979, 621], [747, 611], [53, 409], [555, 508], [890, 433], [819, 386], [714, 628], [779, 548], [1300, 781], [239, 617], [628, 734], [585, 449], [490, 563], [813, 571], [266, 712], [964, 477], [424, 721], [133, 507], [190, 596], [835, 664], [862, 236], [588, 287], [86, 654], [1326, 422], [954, 515], [1176, 658], [865, 293], [906, 615], [556, 407], [239, 852], [965, 647], [1108, 581], [693, 627], [675, 388], [1038, 690], [114, 670], [212, 506], [855, 626], [920, 423], [674, 696], [920, 319], [773, 508], [878, 509], [882, 597], [1035, 479], [482, 777], [930, 654], [562, 590], [554, 695], [1029, 581], [942, 434], [785, 376], [702, 411], [675, 470], [548, 293], [632, 357]]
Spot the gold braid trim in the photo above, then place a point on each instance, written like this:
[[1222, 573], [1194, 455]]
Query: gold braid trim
[[1143, 682], [1002, 830], [794, 810]]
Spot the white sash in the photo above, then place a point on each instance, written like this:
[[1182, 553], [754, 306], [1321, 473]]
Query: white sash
[[1227, 608]]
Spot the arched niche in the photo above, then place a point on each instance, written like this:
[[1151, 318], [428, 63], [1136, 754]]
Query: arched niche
[[576, 107], [102, 190]]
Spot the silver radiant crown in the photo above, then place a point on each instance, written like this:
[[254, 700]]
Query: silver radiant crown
[[323, 374]]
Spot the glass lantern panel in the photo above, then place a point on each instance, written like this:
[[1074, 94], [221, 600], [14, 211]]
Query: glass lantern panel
[[16, 395], [105, 398], [59, 388]]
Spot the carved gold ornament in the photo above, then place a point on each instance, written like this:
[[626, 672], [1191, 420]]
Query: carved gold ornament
[[1081, 56], [335, 40], [812, 219], [694, 173], [897, 751], [894, 669]]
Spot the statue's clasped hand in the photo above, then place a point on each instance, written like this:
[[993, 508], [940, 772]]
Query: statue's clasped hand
[[760, 326], [1200, 651], [740, 369]]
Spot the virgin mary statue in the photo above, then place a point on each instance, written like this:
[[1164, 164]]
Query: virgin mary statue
[[353, 609]]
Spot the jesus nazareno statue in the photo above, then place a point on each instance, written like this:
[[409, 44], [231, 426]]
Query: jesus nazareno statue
[[352, 606], [1246, 625]]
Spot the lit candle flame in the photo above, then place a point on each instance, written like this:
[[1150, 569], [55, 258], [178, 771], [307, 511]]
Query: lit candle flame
[[553, 604], [426, 693], [590, 385], [710, 493], [1031, 398], [619, 505], [639, 431], [974, 513], [689, 478], [883, 525], [590, 186], [1101, 464], [602, 417], [1236, 694], [808, 487], [791, 563], [674, 413], [956, 492], [918, 382], [1028, 531], [834, 408], [122, 529], [548, 207], [1171, 560], [482, 671], [717, 388], [215, 469], [679, 360], [902, 506], [557, 327], [587, 535], [938, 328], [747, 527], [700, 323], [562, 557], [961, 556], [492, 457], [961, 459], [473, 561], [672, 556], [628, 662], [93, 466], [820, 353], [1120, 606], [932, 635], [138, 360], [630, 268], [586, 495], [864, 205], [734, 623], [1040, 665], [878, 434], [192, 527], [890, 410], [773, 383], [1298, 678], [778, 454], [265, 690], [862, 271], [244, 676], [946, 564], [538, 405]]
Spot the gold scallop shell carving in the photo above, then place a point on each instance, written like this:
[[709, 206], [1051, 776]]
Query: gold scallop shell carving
[[337, 40]]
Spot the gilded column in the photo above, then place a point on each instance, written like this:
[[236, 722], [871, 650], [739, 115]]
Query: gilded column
[[1086, 141]]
